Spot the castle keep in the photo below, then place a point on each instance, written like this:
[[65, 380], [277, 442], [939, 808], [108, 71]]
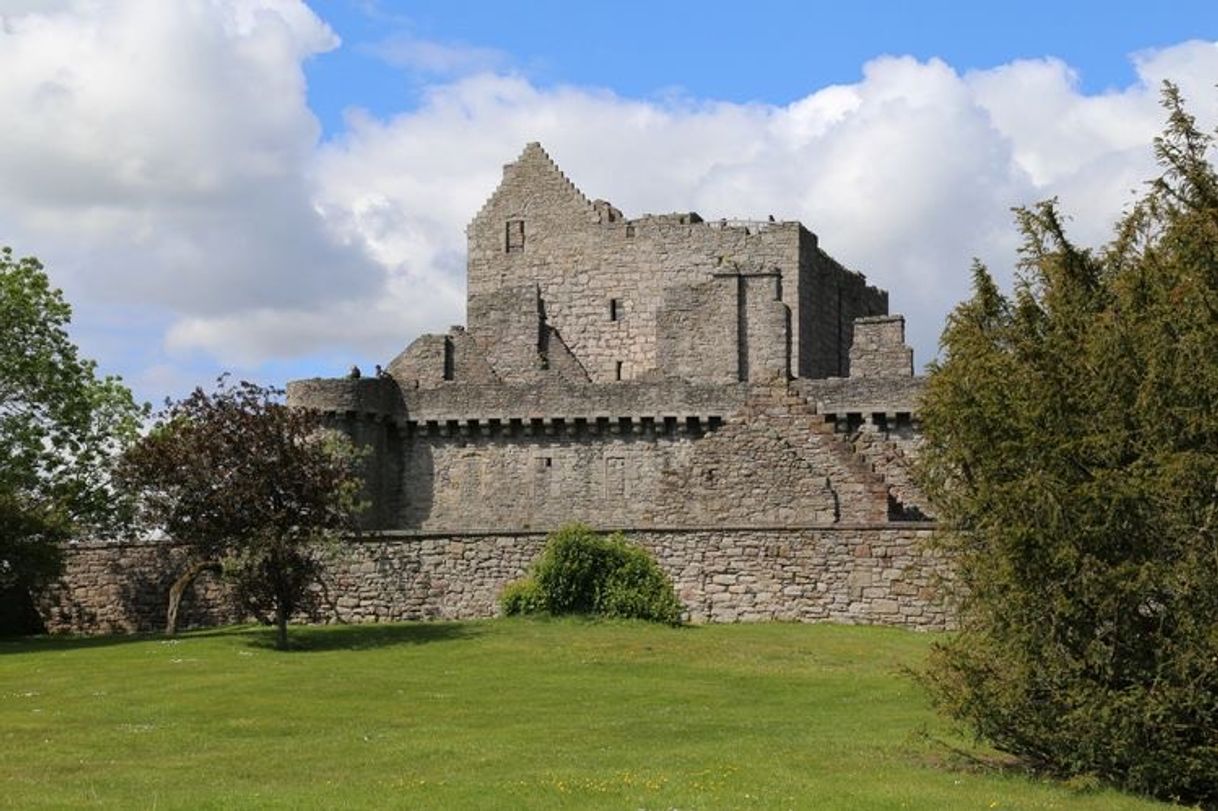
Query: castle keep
[[724, 391]]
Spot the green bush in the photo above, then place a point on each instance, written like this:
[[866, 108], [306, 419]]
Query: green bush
[[571, 569], [637, 588], [580, 572], [522, 597]]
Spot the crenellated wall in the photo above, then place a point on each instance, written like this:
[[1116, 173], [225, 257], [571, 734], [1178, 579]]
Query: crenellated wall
[[641, 454]]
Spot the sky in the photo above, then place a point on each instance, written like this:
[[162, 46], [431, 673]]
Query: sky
[[280, 189]]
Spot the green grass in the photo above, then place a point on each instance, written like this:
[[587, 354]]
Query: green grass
[[495, 714]]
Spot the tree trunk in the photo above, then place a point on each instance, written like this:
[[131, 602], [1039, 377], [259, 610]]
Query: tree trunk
[[281, 625], [179, 587]]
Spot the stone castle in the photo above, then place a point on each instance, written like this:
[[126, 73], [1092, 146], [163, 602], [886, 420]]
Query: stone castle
[[631, 373], [725, 392]]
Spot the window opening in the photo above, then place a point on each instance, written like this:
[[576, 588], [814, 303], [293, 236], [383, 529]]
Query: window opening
[[514, 240], [448, 358], [615, 309]]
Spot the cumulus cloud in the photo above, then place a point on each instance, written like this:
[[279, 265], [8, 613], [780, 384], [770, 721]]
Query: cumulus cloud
[[164, 158], [158, 154], [905, 175]]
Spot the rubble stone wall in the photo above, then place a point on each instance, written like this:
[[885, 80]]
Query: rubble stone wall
[[603, 277], [879, 574]]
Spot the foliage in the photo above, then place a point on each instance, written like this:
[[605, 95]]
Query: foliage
[[522, 597], [580, 572], [637, 588], [245, 480], [1071, 446], [61, 428]]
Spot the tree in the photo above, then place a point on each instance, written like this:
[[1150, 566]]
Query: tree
[[252, 487], [1071, 449], [61, 429]]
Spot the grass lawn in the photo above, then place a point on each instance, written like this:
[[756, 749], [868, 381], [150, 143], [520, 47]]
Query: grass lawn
[[493, 714]]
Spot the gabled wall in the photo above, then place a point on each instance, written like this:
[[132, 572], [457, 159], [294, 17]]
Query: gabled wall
[[602, 278]]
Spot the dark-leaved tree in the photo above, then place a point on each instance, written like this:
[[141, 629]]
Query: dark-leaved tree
[[1071, 448], [61, 429], [254, 488]]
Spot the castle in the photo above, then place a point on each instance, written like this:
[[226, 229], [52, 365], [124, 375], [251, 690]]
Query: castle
[[629, 373], [725, 392]]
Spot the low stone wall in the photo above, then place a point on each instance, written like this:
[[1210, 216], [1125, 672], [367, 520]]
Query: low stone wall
[[110, 587], [881, 574]]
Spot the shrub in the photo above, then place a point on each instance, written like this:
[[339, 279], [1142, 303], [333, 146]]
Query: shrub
[[637, 588], [580, 572], [522, 597], [571, 569]]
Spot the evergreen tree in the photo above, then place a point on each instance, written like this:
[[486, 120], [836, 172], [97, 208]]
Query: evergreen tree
[[1071, 448]]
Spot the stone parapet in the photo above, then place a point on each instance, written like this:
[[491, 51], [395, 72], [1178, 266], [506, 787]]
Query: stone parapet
[[863, 395], [362, 395], [659, 398]]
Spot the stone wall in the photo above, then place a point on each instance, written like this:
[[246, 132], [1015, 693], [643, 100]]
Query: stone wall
[[771, 460], [603, 278], [558, 398], [878, 574], [862, 395], [692, 318], [831, 298], [879, 349], [118, 587], [520, 457]]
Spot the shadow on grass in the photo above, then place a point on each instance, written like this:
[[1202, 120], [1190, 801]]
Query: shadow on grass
[[315, 638], [301, 638], [71, 642]]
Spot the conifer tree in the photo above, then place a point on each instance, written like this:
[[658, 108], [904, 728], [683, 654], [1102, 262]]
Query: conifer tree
[[1071, 434]]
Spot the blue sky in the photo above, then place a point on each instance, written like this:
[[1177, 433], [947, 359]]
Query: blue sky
[[281, 189], [773, 52]]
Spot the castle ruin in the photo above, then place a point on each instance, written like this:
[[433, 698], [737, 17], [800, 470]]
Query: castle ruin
[[630, 373], [738, 402]]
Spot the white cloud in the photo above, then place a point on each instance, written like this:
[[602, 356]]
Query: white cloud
[[157, 154], [162, 157], [905, 175], [436, 58]]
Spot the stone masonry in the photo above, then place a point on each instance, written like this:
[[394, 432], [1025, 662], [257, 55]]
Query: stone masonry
[[852, 574], [724, 391]]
